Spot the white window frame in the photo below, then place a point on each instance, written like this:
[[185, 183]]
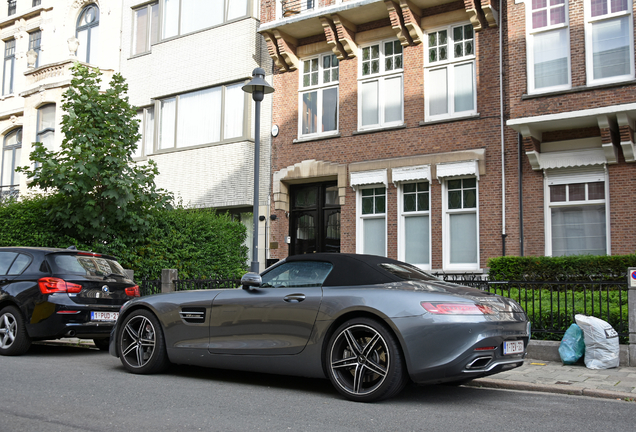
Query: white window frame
[[381, 77], [180, 32], [403, 215], [548, 205], [319, 88], [145, 146], [589, 54], [150, 26], [450, 63], [531, 34], [446, 236], [159, 118], [360, 218], [8, 73]]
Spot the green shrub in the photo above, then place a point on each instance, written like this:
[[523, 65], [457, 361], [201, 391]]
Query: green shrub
[[196, 242], [576, 267]]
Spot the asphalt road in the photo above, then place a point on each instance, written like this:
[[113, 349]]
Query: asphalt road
[[59, 388]]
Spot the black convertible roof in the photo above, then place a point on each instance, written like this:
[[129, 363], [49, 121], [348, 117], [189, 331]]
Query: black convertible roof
[[352, 269]]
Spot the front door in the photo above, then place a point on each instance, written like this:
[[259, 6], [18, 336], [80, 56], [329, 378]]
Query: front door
[[314, 218]]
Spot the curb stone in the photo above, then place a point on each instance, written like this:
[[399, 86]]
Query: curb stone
[[550, 388]]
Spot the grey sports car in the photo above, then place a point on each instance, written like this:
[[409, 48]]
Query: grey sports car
[[370, 324]]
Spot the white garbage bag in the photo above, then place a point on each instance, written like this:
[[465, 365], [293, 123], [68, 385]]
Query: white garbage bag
[[601, 342]]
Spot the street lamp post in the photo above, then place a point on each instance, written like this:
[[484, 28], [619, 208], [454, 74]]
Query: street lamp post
[[258, 87]]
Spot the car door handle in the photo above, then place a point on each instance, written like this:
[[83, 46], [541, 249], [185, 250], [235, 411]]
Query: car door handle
[[294, 298]]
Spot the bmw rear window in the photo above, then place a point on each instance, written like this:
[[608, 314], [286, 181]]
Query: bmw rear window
[[86, 265]]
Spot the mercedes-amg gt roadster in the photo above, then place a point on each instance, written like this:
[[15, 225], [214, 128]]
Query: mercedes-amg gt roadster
[[370, 324]]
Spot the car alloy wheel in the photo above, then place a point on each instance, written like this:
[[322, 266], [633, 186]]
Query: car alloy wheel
[[141, 344], [364, 361], [14, 339]]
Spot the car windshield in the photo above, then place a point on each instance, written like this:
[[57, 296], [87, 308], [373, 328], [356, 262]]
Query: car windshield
[[408, 272], [86, 265]]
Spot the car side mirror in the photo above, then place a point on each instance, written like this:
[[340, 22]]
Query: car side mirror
[[251, 280]]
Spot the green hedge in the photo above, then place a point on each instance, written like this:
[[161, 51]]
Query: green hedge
[[577, 267], [196, 242], [555, 309]]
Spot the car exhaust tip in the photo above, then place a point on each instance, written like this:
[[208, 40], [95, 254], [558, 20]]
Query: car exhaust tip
[[70, 333], [479, 363]]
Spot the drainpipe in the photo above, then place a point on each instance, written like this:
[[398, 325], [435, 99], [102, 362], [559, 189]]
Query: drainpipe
[[501, 117], [520, 143]]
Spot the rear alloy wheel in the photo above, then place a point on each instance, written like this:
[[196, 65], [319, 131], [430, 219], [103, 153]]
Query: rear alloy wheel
[[141, 343], [364, 361], [14, 339], [101, 343]]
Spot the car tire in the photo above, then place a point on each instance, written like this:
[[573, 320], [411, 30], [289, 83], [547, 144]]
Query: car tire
[[141, 344], [364, 361], [101, 343], [14, 339]]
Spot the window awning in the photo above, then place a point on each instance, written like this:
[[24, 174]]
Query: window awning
[[455, 169], [565, 159], [362, 178], [413, 173]]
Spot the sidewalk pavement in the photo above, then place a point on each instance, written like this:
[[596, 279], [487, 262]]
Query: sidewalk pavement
[[535, 375], [554, 377]]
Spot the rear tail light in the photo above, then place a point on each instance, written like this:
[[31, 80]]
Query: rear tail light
[[50, 285], [133, 291], [457, 308]]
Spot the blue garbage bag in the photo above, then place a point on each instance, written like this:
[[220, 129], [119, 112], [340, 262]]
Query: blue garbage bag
[[572, 346]]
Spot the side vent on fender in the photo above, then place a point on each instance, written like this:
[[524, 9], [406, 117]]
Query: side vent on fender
[[193, 315]]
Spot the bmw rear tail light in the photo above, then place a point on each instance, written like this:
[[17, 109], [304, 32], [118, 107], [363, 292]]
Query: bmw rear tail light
[[50, 285], [133, 291], [457, 308]]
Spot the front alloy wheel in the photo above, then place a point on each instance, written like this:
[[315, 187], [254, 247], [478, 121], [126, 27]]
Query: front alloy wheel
[[364, 362], [14, 339], [141, 345]]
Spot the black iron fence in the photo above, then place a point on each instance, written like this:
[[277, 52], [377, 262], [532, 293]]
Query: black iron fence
[[149, 287], [552, 305]]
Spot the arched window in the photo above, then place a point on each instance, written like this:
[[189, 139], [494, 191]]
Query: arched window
[[88, 34], [46, 126], [9, 179]]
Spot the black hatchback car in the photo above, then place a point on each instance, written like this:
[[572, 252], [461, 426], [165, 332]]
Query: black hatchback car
[[48, 293]]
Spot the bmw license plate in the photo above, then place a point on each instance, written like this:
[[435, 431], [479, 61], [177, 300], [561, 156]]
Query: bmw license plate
[[513, 347], [104, 316]]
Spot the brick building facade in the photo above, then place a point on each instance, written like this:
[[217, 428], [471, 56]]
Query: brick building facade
[[397, 135]]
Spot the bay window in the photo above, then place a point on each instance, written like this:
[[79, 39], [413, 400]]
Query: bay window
[[450, 73], [186, 16], [548, 46], [318, 98], [206, 116], [380, 86], [609, 41]]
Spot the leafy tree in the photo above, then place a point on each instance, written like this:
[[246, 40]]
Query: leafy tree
[[97, 190]]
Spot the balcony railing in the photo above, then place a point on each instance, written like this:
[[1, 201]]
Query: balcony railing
[[294, 7], [7, 192]]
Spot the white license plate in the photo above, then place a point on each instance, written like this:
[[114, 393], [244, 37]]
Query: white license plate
[[513, 347], [104, 316]]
